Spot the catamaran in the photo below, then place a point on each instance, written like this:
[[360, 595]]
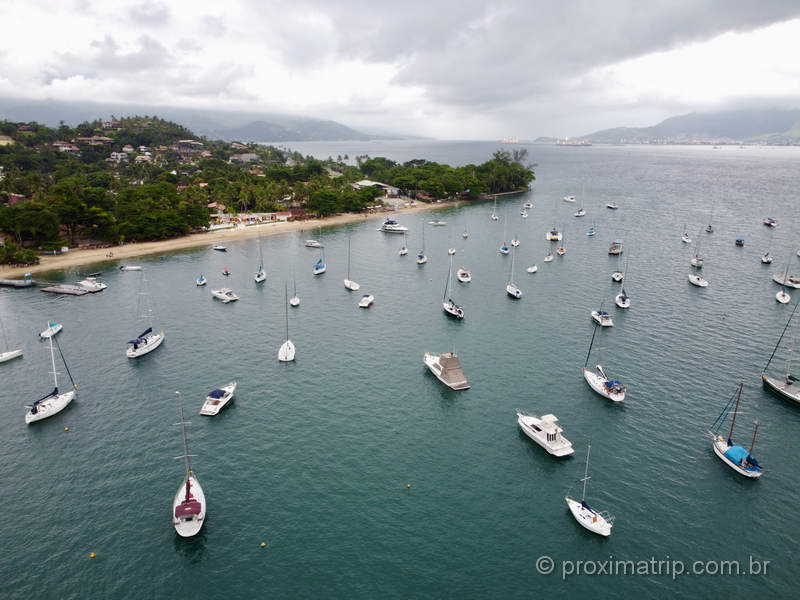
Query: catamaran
[[218, 399], [787, 386], [261, 274], [287, 349], [349, 283], [599, 381], [8, 353], [148, 340], [511, 288], [189, 504], [447, 369], [599, 522], [546, 432], [55, 401], [450, 307], [736, 457]]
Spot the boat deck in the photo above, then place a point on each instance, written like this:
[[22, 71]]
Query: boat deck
[[69, 290]]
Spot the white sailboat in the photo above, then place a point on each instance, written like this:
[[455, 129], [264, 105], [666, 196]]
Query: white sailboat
[[294, 301], [287, 350], [261, 274], [782, 296], [562, 249], [599, 522], [602, 318], [7, 353], [546, 432], [404, 250], [53, 328], [697, 280], [622, 300], [685, 237], [709, 227], [697, 260], [421, 258], [548, 257], [737, 457], [55, 401], [450, 308], [320, 267], [598, 380], [494, 210], [148, 340], [766, 258], [349, 283], [314, 243], [511, 288], [201, 281], [189, 503], [787, 386]]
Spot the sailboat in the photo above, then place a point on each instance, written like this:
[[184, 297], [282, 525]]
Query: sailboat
[[286, 351], [782, 296], [787, 386], [599, 381], [294, 301], [515, 241], [562, 249], [766, 258], [314, 243], [148, 340], [261, 274], [709, 227], [320, 267], [465, 235], [592, 230], [504, 249], [494, 210], [685, 237], [200, 281], [622, 300], [599, 522], [54, 402], [404, 250], [602, 318], [548, 257], [421, 258], [189, 504], [53, 327], [697, 280], [511, 287], [450, 307], [7, 354], [736, 457], [349, 283]]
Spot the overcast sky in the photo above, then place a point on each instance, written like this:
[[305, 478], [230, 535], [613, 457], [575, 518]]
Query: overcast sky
[[458, 69]]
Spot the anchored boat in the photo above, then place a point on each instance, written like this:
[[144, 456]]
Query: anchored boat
[[447, 368]]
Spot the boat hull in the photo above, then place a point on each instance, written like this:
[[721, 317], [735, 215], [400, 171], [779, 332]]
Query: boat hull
[[10, 355], [588, 518], [351, 285], [51, 406], [789, 391], [602, 320], [622, 302], [193, 527], [158, 339], [596, 383], [720, 446], [51, 331], [286, 351], [791, 280]]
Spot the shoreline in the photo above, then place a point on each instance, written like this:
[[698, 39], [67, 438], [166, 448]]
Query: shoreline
[[76, 258]]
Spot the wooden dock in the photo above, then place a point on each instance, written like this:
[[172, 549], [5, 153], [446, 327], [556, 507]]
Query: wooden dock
[[69, 290]]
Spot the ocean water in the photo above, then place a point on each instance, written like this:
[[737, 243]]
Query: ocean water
[[314, 457]]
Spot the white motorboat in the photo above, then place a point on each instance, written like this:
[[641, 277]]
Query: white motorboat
[[189, 503], [403, 251], [612, 206], [392, 226], [617, 276], [792, 281], [451, 251], [287, 350], [580, 213], [130, 268], [569, 198], [546, 432], [602, 318], [511, 288], [53, 327], [525, 214], [349, 283], [622, 300], [200, 281], [527, 205], [146, 342], [532, 269], [464, 275], [55, 401], [366, 301], [437, 223], [616, 248], [224, 295], [686, 239], [9, 355], [465, 235], [220, 248], [554, 235], [548, 257], [218, 399], [766, 259], [783, 297], [738, 458], [697, 280], [447, 369], [599, 522]]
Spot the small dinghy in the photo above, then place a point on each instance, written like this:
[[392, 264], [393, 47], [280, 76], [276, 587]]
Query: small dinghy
[[447, 368], [599, 522], [200, 281], [532, 269], [739, 242], [403, 251], [220, 248], [464, 275], [313, 244], [548, 257], [392, 226], [602, 318], [55, 401], [581, 213], [616, 248], [130, 268], [366, 301], [569, 198], [591, 231], [612, 206], [783, 297], [218, 399], [465, 235], [737, 457], [770, 222], [451, 251], [546, 432], [224, 295], [622, 299], [766, 259], [527, 205], [189, 504], [697, 280], [226, 272], [53, 328], [617, 276], [515, 242]]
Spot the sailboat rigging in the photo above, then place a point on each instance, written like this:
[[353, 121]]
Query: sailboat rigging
[[7, 354], [261, 274], [421, 258], [599, 522], [349, 283], [599, 381], [287, 349], [148, 340], [788, 386], [450, 307], [54, 402], [189, 503], [736, 457], [511, 288]]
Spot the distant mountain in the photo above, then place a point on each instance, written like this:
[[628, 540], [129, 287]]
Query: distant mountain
[[769, 126], [214, 124]]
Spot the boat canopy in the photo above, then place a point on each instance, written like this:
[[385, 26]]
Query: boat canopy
[[140, 339], [737, 454], [217, 394], [42, 399], [188, 508]]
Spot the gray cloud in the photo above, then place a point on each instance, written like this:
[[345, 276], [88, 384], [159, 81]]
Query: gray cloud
[[107, 59], [149, 12]]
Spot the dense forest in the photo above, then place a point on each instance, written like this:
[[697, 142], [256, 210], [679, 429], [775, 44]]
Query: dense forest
[[144, 178]]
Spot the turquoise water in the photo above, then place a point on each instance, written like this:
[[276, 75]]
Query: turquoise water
[[314, 457]]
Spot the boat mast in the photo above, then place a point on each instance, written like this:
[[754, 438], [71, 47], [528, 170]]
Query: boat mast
[[775, 349], [588, 354], [447, 282], [735, 411], [286, 306], [755, 432], [348, 258], [53, 362], [186, 456], [260, 256], [586, 473], [511, 270], [786, 271]]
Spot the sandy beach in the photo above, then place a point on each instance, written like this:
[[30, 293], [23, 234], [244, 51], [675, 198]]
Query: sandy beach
[[76, 257]]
